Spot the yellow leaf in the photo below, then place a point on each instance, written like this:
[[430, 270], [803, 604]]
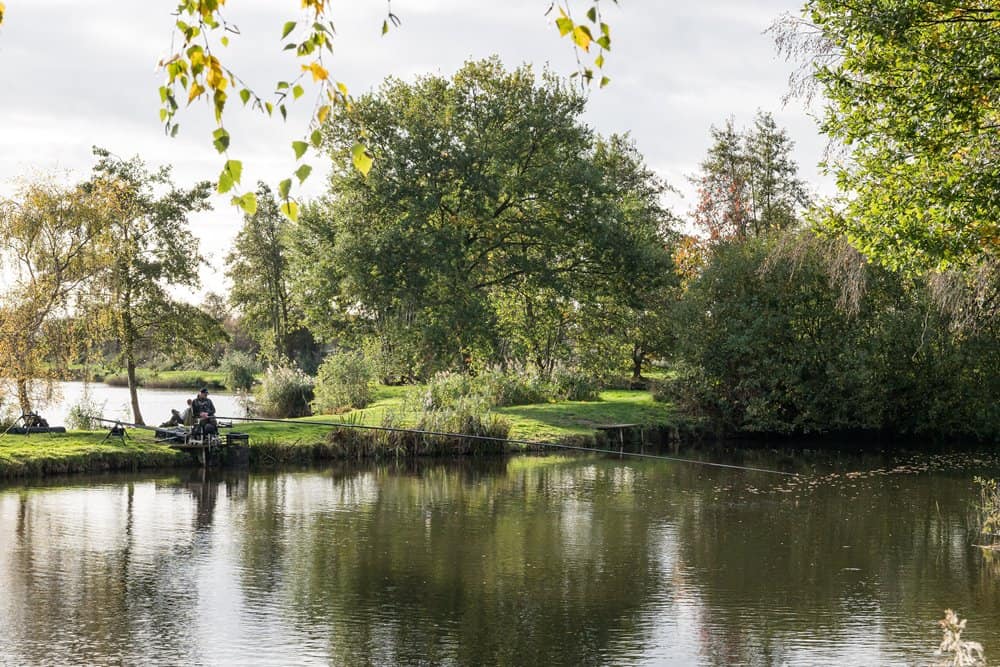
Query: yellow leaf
[[323, 112], [582, 37], [196, 91], [2, 10], [318, 72]]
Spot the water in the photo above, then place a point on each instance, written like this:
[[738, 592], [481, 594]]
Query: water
[[114, 402], [525, 561]]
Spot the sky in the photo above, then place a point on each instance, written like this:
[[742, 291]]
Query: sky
[[77, 74]]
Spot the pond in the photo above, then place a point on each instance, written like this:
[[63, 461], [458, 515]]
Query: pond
[[520, 561], [114, 402]]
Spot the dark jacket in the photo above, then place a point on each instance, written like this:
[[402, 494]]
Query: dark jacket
[[200, 405]]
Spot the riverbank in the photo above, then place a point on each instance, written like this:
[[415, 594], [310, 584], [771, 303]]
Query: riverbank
[[567, 422]]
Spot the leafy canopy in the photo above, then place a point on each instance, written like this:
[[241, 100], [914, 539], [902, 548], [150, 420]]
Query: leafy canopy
[[912, 94]]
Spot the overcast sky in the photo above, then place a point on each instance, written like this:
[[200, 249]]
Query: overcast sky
[[78, 73]]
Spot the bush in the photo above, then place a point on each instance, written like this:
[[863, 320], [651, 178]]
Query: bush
[[284, 392], [445, 389], [83, 415], [344, 381], [241, 369], [574, 385], [499, 388], [492, 387]]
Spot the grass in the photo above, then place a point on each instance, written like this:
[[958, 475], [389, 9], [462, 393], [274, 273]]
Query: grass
[[82, 451], [270, 442], [171, 379]]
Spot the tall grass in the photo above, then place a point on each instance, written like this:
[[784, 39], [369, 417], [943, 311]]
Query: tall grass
[[427, 438]]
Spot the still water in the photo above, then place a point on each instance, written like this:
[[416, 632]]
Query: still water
[[523, 561], [115, 403]]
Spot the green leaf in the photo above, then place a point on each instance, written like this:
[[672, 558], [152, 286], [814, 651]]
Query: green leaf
[[247, 201], [245, 95], [362, 158], [235, 167], [316, 138], [230, 175], [303, 172], [297, 91], [300, 148], [592, 14], [284, 188], [604, 42], [385, 27], [605, 81], [565, 26], [287, 29], [225, 182], [221, 140], [291, 210]]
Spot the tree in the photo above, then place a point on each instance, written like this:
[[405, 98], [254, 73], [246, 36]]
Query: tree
[[258, 268], [485, 185], [748, 183], [912, 95], [48, 253], [147, 249]]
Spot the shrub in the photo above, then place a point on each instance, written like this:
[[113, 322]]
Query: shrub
[[344, 381], [285, 391], [445, 389], [500, 388], [83, 415], [573, 385], [240, 368]]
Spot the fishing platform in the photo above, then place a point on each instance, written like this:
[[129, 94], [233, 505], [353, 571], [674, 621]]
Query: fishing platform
[[208, 447]]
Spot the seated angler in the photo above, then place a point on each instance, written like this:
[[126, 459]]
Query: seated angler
[[204, 410]]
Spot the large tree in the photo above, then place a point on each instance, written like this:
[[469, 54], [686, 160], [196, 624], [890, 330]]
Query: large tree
[[47, 253], [484, 185], [911, 89], [748, 183], [148, 250]]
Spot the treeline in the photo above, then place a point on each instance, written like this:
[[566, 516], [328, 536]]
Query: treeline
[[498, 237]]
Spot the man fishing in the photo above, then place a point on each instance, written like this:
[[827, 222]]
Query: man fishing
[[202, 405]]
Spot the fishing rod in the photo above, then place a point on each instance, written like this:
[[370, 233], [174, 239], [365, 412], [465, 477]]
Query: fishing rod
[[531, 443]]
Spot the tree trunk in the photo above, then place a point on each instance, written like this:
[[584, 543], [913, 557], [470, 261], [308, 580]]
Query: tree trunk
[[23, 399], [133, 390], [638, 356]]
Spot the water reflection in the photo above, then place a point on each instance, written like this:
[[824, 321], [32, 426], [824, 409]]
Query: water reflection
[[550, 561]]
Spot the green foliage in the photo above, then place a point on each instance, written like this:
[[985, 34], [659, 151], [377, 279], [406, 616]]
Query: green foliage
[[571, 385], [749, 183], [82, 416], [284, 391], [499, 388], [490, 214], [344, 380], [910, 93], [794, 334], [240, 369], [146, 249], [257, 265]]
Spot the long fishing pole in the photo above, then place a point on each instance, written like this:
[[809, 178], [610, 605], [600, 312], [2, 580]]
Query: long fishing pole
[[531, 443]]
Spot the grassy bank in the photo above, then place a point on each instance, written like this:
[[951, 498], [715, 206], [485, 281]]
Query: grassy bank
[[171, 379], [564, 422], [81, 451]]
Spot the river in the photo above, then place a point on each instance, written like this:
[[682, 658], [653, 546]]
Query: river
[[114, 402], [520, 561]]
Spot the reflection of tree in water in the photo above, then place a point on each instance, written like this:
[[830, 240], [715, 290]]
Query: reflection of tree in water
[[875, 553], [84, 593], [544, 564]]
